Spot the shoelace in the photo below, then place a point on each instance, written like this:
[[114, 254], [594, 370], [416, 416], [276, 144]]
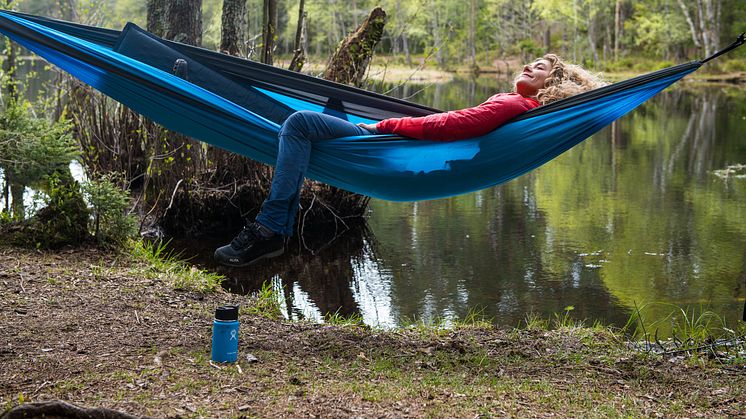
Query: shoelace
[[246, 236]]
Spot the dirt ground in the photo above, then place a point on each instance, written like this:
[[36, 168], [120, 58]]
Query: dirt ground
[[86, 327]]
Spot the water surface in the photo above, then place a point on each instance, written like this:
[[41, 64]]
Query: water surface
[[635, 217]]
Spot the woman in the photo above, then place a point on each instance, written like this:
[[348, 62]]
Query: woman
[[545, 80]]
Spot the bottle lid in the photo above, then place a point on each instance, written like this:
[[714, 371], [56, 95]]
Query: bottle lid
[[227, 312]]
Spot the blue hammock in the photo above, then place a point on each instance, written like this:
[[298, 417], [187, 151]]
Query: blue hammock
[[239, 105]]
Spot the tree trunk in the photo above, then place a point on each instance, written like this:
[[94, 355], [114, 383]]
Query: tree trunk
[[692, 27], [232, 28], [157, 17], [435, 22], [174, 157], [269, 31], [712, 11], [394, 38], [592, 38], [702, 32], [184, 19], [350, 61], [618, 27], [299, 55], [9, 67], [405, 47], [473, 35], [16, 195], [548, 39]]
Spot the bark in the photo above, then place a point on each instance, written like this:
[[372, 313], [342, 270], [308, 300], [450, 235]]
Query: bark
[[472, 34], [435, 22], [16, 195], [692, 27], [157, 17], [269, 30], [592, 38], [703, 32], [405, 47], [548, 39], [712, 11], [232, 28], [350, 61], [9, 67], [184, 19], [618, 27], [299, 55]]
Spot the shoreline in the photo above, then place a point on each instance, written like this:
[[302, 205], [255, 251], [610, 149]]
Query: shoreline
[[101, 329]]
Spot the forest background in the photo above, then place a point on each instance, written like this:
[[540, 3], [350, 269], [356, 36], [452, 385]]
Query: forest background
[[604, 35]]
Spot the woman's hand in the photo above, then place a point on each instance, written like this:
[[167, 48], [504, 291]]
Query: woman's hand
[[369, 127]]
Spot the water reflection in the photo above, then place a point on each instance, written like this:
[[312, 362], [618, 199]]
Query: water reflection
[[632, 217]]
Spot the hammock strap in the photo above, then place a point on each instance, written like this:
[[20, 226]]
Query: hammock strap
[[737, 43]]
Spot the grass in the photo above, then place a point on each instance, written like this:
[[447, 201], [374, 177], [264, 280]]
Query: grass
[[160, 263], [337, 319], [266, 302]]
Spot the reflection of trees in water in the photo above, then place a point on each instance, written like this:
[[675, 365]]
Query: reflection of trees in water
[[641, 186], [482, 251]]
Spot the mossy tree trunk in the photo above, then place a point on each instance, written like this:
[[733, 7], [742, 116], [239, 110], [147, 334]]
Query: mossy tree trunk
[[11, 91], [350, 62], [233, 27], [299, 54], [156, 11], [184, 19], [174, 158], [269, 31]]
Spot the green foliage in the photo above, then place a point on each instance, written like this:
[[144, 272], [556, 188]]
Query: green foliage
[[734, 66], [64, 219], [110, 223], [338, 319], [657, 32], [564, 321], [32, 148], [266, 302], [654, 27]]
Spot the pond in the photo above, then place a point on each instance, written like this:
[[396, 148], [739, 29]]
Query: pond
[[647, 214], [643, 215]]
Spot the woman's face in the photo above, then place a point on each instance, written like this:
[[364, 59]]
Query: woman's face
[[532, 78]]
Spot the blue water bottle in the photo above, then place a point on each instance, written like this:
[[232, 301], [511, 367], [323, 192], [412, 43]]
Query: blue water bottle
[[225, 334]]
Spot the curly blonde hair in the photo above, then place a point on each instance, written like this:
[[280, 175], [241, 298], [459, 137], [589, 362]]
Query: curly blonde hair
[[565, 80]]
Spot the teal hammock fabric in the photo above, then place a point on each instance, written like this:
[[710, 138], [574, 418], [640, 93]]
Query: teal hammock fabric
[[239, 105]]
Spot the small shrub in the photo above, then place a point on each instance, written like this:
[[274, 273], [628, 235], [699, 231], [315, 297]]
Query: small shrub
[[266, 303], [110, 223], [32, 148]]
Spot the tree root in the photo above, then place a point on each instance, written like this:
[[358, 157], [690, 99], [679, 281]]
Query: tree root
[[60, 409]]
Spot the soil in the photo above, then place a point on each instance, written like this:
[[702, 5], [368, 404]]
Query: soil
[[87, 327]]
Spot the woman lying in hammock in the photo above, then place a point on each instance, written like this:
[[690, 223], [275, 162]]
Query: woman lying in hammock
[[545, 80]]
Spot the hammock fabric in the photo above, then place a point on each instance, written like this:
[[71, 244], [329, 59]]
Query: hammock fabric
[[239, 105]]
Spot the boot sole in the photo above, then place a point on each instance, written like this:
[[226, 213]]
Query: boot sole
[[264, 256]]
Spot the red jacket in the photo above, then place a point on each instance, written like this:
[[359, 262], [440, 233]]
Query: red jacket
[[463, 123]]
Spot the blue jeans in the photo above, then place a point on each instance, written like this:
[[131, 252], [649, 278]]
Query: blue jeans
[[297, 135]]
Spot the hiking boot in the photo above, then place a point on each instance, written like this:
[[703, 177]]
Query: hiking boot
[[250, 246]]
